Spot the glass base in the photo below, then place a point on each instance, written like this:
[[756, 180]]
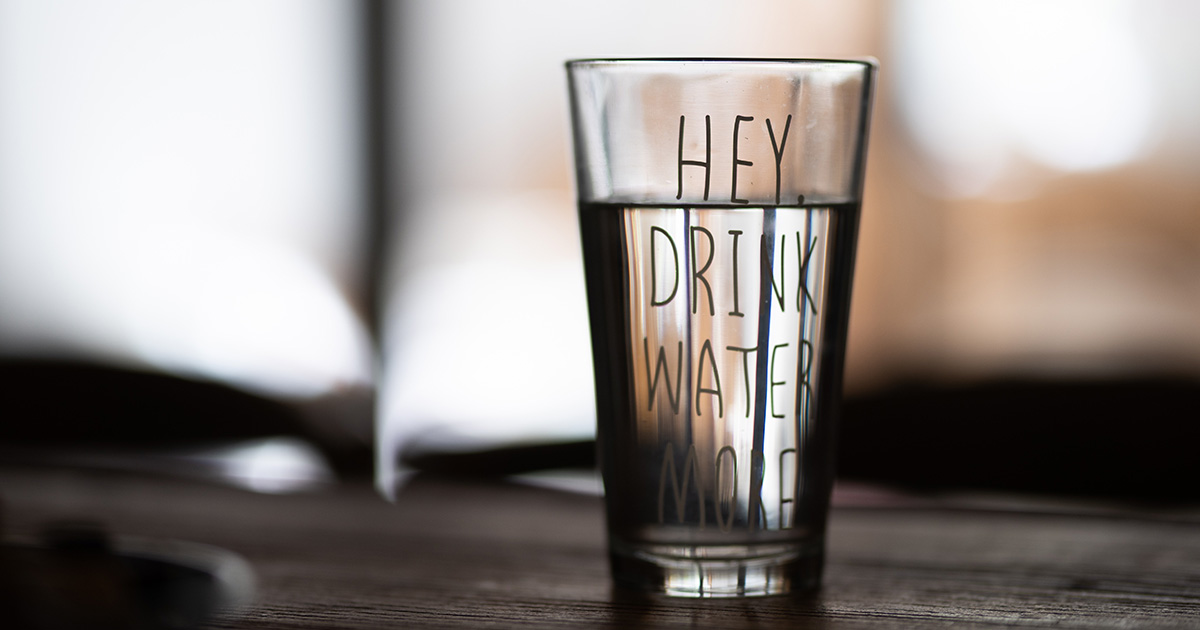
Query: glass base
[[746, 570]]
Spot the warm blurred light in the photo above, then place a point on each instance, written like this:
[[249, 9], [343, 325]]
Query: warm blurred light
[[1048, 227], [179, 188], [989, 84]]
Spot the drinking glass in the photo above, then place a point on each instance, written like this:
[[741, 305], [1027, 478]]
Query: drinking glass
[[719, 206]]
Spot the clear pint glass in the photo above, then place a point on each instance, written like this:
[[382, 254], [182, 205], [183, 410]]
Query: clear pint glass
[[719, 205]]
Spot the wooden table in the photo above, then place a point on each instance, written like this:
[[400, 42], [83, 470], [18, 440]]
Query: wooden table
[[489, 554]]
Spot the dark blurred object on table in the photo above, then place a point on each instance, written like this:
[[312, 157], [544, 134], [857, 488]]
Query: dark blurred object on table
[[78, 576], [1129, 439]]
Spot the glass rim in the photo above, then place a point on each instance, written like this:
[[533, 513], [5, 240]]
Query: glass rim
[[869, 62]]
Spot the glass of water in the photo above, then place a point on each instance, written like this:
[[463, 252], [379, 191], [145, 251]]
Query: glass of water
[[719, 205]]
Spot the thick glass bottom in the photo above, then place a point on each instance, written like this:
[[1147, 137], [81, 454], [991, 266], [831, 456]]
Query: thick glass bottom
[[744, 570]]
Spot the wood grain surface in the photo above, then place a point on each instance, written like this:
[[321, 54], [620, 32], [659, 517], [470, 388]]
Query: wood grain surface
[[489, 554]]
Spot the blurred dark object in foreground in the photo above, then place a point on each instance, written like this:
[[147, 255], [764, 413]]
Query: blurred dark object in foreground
[[1130, 439], [72, 405], [77, 576]]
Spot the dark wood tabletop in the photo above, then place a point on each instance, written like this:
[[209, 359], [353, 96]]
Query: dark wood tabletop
[[477, 553]]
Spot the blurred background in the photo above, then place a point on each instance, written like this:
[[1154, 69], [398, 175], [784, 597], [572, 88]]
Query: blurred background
[[281, 241]]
